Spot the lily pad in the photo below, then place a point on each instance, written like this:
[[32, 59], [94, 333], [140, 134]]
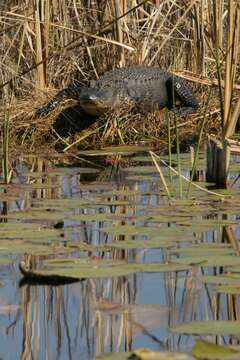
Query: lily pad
[[212, 260], [5, 260], [220, 279], [206, 350], [87, 268], [228, 289], [202, 250], [214, 327], [145, 354], [122, 149], [95, 268], [143, 244], [160, 232]]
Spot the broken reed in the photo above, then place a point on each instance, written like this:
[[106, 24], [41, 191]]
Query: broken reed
[[226, 55]]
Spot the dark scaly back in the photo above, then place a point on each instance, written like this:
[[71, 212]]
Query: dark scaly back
[[145, 85]]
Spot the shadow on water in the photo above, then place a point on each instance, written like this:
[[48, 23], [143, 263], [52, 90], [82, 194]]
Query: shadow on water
[[150, 266]]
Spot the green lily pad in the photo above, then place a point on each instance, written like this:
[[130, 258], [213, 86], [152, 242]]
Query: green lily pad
[[22, 247], [212, 327], [147, 354], [35, 214], [206, 350], [202, 250], [28, 231], [90, 217], [158, 267], [121, 149], [5, 261], [65, 204], [212, 260], [143, 244], [228, 289], [87, 268], [92, 268], [143, 177], [161, 233], [219, 279], [114, 356], [141, 169]]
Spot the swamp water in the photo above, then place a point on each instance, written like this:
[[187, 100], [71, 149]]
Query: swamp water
[[153, 272]]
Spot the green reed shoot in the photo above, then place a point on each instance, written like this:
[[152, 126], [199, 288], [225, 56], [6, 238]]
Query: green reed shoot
[[197, 148]]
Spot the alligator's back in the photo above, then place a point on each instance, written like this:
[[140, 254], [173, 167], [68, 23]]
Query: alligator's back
[[145, 85]]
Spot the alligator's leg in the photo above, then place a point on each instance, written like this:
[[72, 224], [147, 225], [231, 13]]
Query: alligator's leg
[[179, 90], [71, 92]]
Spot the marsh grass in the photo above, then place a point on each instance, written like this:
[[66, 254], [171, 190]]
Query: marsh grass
[[50, 44], [5, 134]]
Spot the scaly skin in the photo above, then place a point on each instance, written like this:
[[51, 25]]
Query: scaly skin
[[148, 88]]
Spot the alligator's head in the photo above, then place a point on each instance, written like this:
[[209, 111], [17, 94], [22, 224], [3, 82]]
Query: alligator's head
[[96, 101]]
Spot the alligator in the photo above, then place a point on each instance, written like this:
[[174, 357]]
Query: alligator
[[146, 87]]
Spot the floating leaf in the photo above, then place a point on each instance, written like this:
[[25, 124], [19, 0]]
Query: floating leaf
[[87, 268], [129, 230], [114, 356], [90, 217], [147, 354], [206, 350], [156, 232], [27, 233], [22, 247], [228, 289], [214, 327], [209, 223], [4, 260], [35, 214], [92, 268], [219, 279], [158, 267], [141, 169], [143, 177], [121, 149], [143, 244], [212, 260], [65, 204], [143, 158], [202, 250]]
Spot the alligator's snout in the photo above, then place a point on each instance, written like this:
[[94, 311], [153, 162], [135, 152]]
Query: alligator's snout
[[98, 101]]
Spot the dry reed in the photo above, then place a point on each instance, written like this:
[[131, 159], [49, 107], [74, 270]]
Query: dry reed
[[48, 44]]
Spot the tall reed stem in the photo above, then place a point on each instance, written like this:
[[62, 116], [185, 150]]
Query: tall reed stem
[[5, 142]]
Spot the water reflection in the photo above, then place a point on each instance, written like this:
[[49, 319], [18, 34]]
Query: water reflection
[[95, 316]]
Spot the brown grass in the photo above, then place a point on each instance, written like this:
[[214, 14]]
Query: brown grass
[[44, 49]]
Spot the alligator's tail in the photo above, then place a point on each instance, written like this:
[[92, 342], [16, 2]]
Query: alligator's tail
[[71, 92]]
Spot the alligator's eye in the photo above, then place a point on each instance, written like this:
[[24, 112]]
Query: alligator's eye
[[178, 86]]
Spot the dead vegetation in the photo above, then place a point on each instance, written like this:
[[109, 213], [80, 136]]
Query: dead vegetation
[[48, 44]]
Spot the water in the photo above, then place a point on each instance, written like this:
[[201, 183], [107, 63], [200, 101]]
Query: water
[[95, 316]]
